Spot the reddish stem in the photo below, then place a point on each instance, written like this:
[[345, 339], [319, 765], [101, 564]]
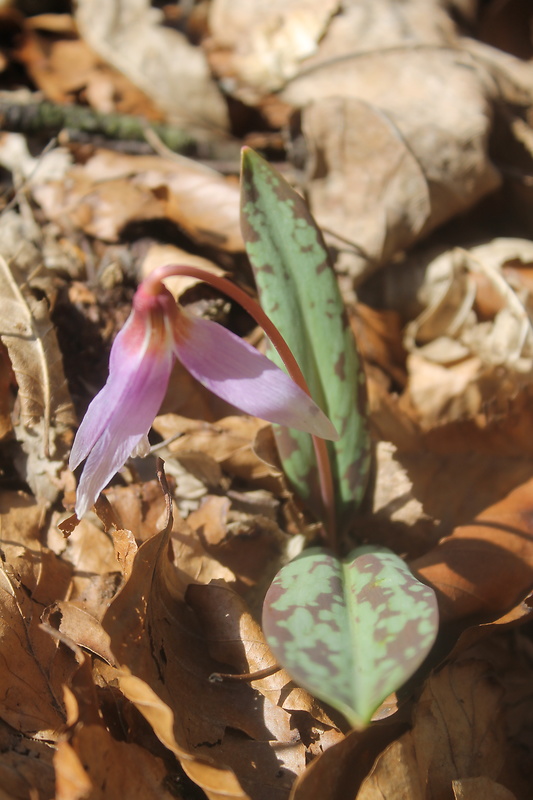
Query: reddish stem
[[256, 312]]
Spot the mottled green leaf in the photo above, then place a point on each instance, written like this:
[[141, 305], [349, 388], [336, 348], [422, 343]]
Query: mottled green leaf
[[352, 631], [298, 290]]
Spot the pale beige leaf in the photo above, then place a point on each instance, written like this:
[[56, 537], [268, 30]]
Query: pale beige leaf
[[111, 190], [158, 59], [269, 40], [28, 333], [474, 788], [433, 121]]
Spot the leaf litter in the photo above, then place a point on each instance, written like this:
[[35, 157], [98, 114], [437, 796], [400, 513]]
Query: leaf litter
[[409, 132]]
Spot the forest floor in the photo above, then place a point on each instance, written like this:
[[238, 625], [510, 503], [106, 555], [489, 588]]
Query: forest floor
[[408, 129]]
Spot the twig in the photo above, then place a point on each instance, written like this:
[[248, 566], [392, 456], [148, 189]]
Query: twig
[[50, 118]]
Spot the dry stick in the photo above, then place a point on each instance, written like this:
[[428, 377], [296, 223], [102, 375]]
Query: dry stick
[[51, 118], [247, 677], [256, 312]]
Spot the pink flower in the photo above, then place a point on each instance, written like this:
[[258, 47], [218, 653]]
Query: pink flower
[[157, 332]]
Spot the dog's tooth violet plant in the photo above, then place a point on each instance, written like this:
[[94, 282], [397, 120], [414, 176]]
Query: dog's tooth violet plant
[[350, 630]]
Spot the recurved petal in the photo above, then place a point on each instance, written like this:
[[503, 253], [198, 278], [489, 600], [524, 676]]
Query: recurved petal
[[237, 372], [117, 420]]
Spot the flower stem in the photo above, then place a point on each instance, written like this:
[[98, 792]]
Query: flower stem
[[256, 312]]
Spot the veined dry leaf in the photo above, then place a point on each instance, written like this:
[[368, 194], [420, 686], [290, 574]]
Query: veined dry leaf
[[229, 441], [485, 567], [46, 411], [111, 190], [32, 677], [61, 64], [457, 734], [218, 783], [34, 668], [174, 663], [171, 663], [392, 160], [235, 638], [268, 41], [25, 767], [339, 770], [94, 766], [268, 45], [156, 58]]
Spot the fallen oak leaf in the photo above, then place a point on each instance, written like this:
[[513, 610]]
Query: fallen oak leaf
[[485, 567]]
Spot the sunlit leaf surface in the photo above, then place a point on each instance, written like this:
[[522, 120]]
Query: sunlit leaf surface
[[298, 290], [352, 631]]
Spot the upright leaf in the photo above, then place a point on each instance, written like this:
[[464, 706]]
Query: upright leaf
[[298, 290]]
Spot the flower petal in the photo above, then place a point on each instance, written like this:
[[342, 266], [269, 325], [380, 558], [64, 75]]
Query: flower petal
[[119, 417], [237, 372]]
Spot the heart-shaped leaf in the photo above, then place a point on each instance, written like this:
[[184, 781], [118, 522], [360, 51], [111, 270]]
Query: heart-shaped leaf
[[298, 290], [352, 631]]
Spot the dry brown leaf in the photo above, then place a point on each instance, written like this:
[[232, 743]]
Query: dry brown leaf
[[44, 576], [171, 662], [268, 41], [7, 382], [174, 662], [471, 346], [156, 58], [62, 66], [218, 783], [82, 628], [31, 680], [94, 766], [474, 788], [229, 442], [158, 255], [383, 197], [46, 411], [457, 734], [485, 567], [364, 180], [112, 190], [339, 771], [32, 579], [25, 767], [235, 638]]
